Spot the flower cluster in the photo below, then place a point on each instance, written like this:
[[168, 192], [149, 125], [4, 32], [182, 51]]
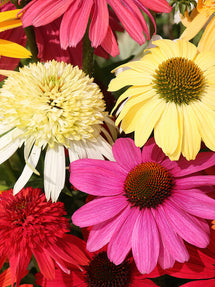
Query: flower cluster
[[107, 143]]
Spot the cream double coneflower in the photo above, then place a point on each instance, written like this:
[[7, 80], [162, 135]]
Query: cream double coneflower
[[54, 106]]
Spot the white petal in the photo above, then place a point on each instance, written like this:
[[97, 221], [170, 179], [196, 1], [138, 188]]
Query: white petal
[[8, 138], [28, 170], [105, 148], [54, 172], [8, 150]]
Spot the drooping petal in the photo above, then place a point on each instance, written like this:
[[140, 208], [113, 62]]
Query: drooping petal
[[170, 240], [99, 22], [45, 263], [185, 226], [145, 242], [120, 243], [101, 233], [195, 181], [54, 172], [39, 12], [28, 169]]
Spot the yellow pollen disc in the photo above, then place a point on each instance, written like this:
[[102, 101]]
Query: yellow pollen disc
[[52, 103], [179, 80]]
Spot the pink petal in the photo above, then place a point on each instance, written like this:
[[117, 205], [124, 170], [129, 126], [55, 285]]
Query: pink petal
[[101, 233], [99, 210], [165, 259], [120, 243], [129, 21], [203, 160], [171, 241], [74, 23], [195, 181], [109, 44], [156, 5], [126, 153], [99, 22], [195, 203], [97, 177], [185, 225], [40, 12], [152, 152], [145, 242]]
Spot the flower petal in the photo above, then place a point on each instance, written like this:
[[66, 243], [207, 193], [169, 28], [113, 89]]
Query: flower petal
[[28, 169], [185, 225], [99, 210], [120, 243], [126, 154], [54, 172], [145, 242], [97, 177]]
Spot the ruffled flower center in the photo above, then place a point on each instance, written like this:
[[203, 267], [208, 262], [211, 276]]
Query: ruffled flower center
[[148, 184], [179, 80], [52, 103], [29, 219], [102, 272]]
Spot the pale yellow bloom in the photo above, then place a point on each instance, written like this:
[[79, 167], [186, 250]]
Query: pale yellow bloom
[[198, 18], [9, 20], [53, 106], [172, 91]]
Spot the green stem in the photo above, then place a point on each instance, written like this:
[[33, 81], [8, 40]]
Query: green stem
[[29, 31], [88, 55]]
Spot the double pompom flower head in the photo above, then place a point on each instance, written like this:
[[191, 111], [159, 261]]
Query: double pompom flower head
[[54, 106]]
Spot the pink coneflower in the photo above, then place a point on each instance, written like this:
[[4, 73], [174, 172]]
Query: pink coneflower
[[76, 15], [146, 203], [98, 271], [31, 225]]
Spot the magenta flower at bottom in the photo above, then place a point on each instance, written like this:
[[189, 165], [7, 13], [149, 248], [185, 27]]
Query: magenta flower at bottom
[[145, 203]]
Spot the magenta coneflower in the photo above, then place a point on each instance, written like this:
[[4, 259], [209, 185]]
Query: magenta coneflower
[[146, 203], [31, 225], [98, 271], [76, 15]]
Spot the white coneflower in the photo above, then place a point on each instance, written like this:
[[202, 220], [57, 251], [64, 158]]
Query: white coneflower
[[53, 105]]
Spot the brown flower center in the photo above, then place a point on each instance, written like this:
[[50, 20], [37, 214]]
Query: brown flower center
[[102, 273], [148, 184], [179, 80]]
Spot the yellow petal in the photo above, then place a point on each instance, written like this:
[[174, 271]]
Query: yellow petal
[[10, 24], [166, 47], [196, 25], [207, 42], [129, 78], [191, 142], [140, 100], [205, 60], [147, 120], [9, 15], [205, 122], [176, 154], [167, 131], [186, 49], [13, 50], [209, 96], [131, 92]]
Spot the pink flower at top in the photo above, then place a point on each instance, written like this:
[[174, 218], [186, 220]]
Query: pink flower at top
[[97, 270], [145, 203], [31, 225], [76, 15]]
